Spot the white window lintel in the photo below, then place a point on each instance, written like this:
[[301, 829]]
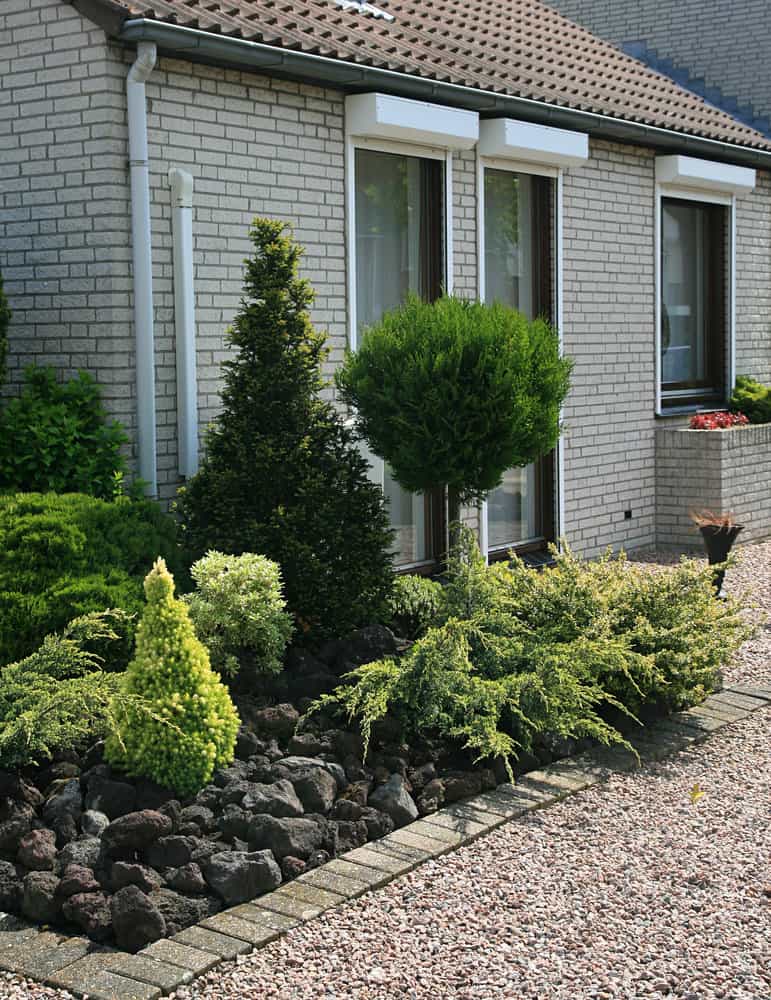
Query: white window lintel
[[505, 138], [383, 116], [703, 175]]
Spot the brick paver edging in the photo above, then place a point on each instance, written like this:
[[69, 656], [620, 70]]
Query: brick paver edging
[[101, 973]]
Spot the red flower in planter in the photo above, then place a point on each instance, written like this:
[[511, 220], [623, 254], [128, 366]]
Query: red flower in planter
[[719, 420]]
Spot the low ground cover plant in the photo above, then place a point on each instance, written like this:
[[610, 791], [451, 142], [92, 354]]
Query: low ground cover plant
[[239, 613], [187, 726], [57, 436], [62, 556], [283, 475], [514, 653], [59, 698], [753, 399]]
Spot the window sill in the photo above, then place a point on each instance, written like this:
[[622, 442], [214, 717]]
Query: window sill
[[689, 408]]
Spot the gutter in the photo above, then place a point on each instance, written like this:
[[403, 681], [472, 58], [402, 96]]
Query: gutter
[[202, 46], [141, 249]]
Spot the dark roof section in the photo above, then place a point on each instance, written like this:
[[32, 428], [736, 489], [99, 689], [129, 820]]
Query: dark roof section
[[516, 48]]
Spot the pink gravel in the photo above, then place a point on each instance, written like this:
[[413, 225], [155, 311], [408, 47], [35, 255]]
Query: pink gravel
[[623, 892]]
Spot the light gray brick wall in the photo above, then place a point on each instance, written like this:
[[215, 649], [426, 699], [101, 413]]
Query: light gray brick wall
[[726, 44], [715, 470], [609, 330], [63, 208], [753, 281]]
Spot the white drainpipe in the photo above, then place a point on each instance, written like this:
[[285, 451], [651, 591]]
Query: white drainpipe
[[141, 243], [184, 319]]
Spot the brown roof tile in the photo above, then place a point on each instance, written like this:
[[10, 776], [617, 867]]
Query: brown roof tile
[[520, 48]]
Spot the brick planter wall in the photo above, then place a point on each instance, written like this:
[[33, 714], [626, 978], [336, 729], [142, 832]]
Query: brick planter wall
[[717, 470]]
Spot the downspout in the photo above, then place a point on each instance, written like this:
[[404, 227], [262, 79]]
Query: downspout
[[141, 245], [184, 319]]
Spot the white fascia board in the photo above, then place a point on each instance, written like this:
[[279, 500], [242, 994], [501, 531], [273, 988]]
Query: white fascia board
[[505, 138], [704, 175], [382, 116]]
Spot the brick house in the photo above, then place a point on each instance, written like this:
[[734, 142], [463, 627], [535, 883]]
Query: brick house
[[496, 150]]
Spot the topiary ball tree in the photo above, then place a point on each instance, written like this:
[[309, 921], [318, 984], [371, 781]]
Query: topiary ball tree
[[187, 724], [283, 476], [452, 393]]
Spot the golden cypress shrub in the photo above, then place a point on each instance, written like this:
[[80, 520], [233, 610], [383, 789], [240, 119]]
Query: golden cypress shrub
[[190, 728]]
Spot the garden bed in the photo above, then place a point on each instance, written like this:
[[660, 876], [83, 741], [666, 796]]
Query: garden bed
[[718, 470]]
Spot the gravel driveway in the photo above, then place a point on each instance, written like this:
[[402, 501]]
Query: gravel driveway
[[627, 890]]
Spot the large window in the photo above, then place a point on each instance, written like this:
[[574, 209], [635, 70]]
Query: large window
[[399, 224], [518, 272], [693, 303]]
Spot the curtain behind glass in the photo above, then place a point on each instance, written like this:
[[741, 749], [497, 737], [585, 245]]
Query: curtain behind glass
[[683, 294]]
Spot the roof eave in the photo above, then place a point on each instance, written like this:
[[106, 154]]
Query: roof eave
[[202, 46]]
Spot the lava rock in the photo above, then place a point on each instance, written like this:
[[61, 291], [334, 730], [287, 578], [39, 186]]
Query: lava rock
[[12, 831], [379, 824], [373, 642], [77, 879], [317, 859], [393, 799], [299, 836], [37, 850], [10, 888], [151, 795], [300, 766], [137, 830], [199, 816], [123, 874], [39, 901], [113, 798], [183, 911], [347, 809], [238, 876], [86, 852], [94, 823], [188, 878], [316, 789], [172, 809], [171, 852], [209, 797], [278, 721], [234, 822], [237, 772], [136, 920], [233, 793], [307, 745], [461, 785], [64, 807], [90, 911], [354, 768], [348, 835], [358, 791], [292, 867], [419, 777], [247, 744], [279, 799]]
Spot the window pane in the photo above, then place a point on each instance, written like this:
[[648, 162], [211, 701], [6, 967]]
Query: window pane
[[510, 266], [508, 240], [692, 298], [511, 509], [398, 250]]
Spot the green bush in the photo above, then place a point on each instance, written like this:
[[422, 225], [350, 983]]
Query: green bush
[[62, 556], [59, 698], [452, 393], [753, 399], [515, 653], [56, 436], [414, 605], [193, 726], [238, 611], [282, 475], [5, 320]]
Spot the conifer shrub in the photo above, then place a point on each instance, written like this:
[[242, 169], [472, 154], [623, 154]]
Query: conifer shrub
[[753, 399], [59, 698], [414, 604], [452, 393], [62, 556], [193, 725], [282, 474], [239, 613], [5, 320], [514, 652], [57, 437]]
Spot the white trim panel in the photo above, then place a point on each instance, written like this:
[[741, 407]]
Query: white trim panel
[[383, 116], [704, 175], [505, 138]]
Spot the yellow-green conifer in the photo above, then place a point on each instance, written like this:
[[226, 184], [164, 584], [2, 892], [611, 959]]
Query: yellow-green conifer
[[190, 724]]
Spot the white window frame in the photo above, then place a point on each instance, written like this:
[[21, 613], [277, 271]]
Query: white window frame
[[728, 200], [556, 173]]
